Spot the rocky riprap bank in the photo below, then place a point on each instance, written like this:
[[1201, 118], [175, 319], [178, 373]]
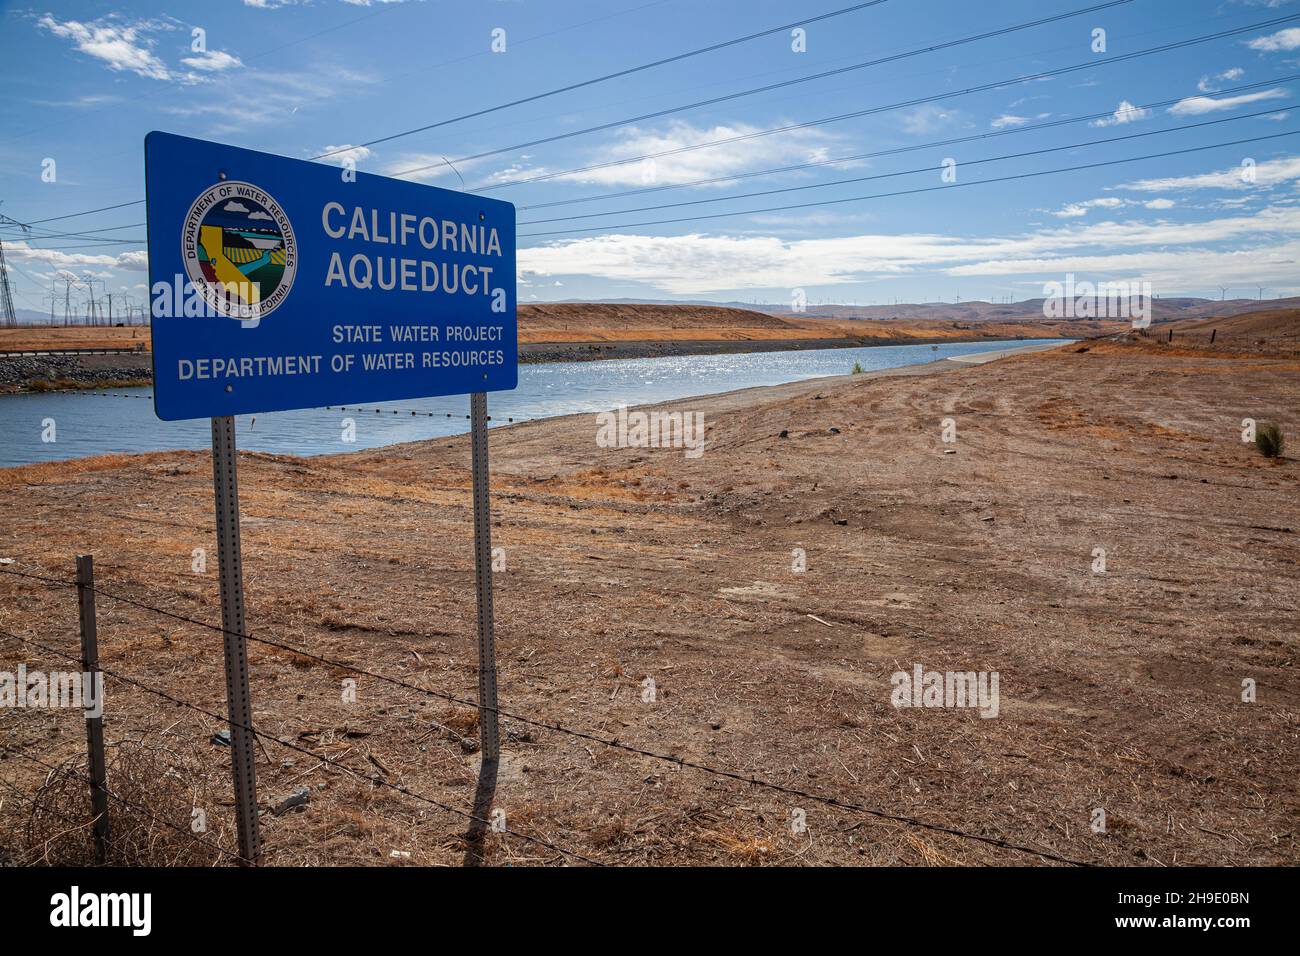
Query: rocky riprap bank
[[34, 372]]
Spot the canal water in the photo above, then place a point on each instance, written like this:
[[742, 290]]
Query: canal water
[[57, 425]]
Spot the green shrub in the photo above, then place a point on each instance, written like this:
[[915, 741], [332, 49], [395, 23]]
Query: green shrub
[[857, 369], [1269, 440]]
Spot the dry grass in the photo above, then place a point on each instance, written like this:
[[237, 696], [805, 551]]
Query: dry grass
[[150, 825], [1119, 690]]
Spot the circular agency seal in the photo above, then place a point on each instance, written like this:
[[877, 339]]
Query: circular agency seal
[[239, 250]]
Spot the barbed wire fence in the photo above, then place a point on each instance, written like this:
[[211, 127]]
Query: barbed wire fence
[[479, 820]]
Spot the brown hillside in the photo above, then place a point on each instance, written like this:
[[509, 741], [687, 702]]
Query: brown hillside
[[1264, 323], [584, 316]]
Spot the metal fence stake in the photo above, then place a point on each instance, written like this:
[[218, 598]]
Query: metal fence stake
[[94, 725], [225, 483]]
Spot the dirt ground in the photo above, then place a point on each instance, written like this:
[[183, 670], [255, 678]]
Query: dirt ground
[[1120, 691]]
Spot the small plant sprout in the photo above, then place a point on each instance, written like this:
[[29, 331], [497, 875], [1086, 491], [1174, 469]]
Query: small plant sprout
[[857, 369]]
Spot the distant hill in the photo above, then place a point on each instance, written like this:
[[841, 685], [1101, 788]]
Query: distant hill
[[1265, 323], [624, 315], [1163, 310], [976, 310]]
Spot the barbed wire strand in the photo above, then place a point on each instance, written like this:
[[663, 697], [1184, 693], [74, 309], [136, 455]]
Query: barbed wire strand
[[611, 742], [372, 778]]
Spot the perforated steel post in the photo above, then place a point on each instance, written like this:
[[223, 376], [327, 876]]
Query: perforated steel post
[[487, 657], [225, 483], [94, 725]]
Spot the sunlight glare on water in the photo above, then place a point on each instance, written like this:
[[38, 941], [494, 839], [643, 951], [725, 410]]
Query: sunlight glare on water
[[96, 423]]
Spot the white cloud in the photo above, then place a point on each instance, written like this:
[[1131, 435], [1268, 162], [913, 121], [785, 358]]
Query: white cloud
[[927, 119], [698, 264], [1077, 209], [1198, 105], [1126, 112], [1288, 39], [1207, 83], [212, 61], [1006, 119], [137, 260], [1159, 204], [235, 206], [713, 162], [279, 93], [123, 46], [1268, 173], [341, 154]]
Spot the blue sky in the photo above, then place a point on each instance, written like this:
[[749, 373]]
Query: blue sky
[[84, 82]]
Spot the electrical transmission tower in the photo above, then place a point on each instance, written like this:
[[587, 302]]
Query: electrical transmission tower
[[8, 316]]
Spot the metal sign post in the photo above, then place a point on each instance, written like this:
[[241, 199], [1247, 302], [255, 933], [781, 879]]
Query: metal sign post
[[487, 657], [225, 483]]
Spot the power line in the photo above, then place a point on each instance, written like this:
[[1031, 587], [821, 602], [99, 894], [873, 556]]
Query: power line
[[74, 215], [905, 172], [908, 192], [918, 101], [486, 186], [611, 742], [85, 234], [1029, 127], [779, 85], [621, 73]]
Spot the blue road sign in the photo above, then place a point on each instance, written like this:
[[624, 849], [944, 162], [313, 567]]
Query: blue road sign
[[278, 283]]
